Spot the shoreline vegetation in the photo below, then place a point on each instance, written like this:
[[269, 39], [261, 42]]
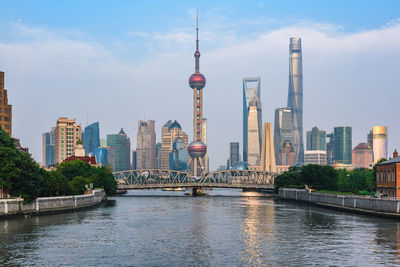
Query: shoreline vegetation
[[23, 177]]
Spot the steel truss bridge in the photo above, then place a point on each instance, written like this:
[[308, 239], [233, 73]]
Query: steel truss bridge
[[154, 179]]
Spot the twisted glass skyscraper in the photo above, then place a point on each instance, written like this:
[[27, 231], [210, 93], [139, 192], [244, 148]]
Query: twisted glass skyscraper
[[295, 96]]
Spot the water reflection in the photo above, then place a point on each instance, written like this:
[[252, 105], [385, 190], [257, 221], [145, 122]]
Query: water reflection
[[257, 229]]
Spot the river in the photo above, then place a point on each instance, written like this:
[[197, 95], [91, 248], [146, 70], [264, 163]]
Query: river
[[229, 228]]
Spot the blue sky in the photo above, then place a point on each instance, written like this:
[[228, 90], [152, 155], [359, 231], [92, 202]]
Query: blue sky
[[121, 61]]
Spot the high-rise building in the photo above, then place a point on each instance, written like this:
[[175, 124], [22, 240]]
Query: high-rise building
[[101, 155], [268, 162], [5, 108], [91, 138], [173, 132], [253, 132], [146, 145], [370, 139], [233, 154], [342, 145], [316, 157], [295, 95], [283, 132], [122, 145], [287, 155], [158, 155], [204, 140], [379, 142], [111, 156], [178, 158], [67, 133], [48, 148], [251, 90], [330, 147], [316, 139], [134, 160], [197, 149], [362, 156]]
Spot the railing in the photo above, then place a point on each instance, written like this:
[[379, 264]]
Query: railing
[[156, 178]]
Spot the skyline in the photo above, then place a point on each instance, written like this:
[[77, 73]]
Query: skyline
[[37, 59]]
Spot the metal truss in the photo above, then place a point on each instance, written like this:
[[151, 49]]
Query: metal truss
[[151, 179]]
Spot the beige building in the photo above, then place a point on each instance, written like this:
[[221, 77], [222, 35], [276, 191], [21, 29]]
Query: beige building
[[253, 134], [379, 142], [67, 134], [268, 162], [170, 132], [362, 156], [5, 108], [146, 145], [204, 140]]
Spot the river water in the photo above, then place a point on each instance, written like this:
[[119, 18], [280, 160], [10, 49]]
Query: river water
[[229, 228]]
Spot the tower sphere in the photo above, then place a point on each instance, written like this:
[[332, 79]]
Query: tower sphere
[[197, 149], [197, 80]]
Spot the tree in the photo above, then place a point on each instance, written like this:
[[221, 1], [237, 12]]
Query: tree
[[71, 169], [103, 178]]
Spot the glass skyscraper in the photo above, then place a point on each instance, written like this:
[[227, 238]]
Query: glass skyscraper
[[251, 90], [295, 95], [91, 138], [178, 158], [234, 154], [101, 155], [316, 139], [48, 148], [283, 132], [342, 145], [122, 145]]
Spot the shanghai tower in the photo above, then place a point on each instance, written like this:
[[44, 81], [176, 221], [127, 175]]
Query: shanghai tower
[[295, 96]]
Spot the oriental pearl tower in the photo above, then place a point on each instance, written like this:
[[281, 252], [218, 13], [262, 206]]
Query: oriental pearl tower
[[197, 149]]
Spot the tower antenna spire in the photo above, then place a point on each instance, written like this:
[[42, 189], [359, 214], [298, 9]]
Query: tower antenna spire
[[197, 30]]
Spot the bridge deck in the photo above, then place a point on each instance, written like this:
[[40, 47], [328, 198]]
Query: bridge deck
[[191, 185]]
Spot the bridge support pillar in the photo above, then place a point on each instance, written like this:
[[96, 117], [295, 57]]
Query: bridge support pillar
[[197, 191]]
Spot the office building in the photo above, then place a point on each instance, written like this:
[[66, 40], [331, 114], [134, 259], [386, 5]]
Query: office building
[[158, 155], [110, 156], [268, 162], [134, 160], [342, 151], [48, 140], [316, 139], [178, 158], [362, 156], [122, 145], [5, 108], [251, 90], [379, 142], [91, 138], [146, 145], [233, 154], [330, 146], [283, 132], [101, 156], [67, 133], [170, 134], [295, 96], [287, 155], [370, 139], [253, 132], [316, 157]]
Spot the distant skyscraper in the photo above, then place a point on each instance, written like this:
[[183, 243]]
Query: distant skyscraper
[[48, 148], [178, 158], [380, 142], [91, 138], [146, 145], [283, 132], [67, 134], [287, 155], [5, 108], [158, 156], [101, 155], [370, 139], [204, 140], [170, 133], [342, 148], [253, 132], [362, 156], [316, 139], [251, 89], [234, 154], [111, 156], [316, 157], [122, 144], [134, 160], [295, 96], [330, 147], [268, 163]]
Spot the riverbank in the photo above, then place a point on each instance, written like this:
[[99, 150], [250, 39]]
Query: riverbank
[[44, 205], [356, 204]]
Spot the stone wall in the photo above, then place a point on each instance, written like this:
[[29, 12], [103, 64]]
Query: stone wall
[[50, 204], [345, 201]]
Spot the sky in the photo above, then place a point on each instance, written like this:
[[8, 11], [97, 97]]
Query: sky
[[118, 62]]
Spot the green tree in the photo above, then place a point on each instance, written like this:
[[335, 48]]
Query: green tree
[[103, 178], [71, 169], [78, 185], [56, 184]]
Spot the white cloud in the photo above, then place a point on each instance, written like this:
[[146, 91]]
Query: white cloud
[[349, 79]]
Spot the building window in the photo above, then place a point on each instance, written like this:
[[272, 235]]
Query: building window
[[7, 110], [6, 118], [6, 126], [198, 100]]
